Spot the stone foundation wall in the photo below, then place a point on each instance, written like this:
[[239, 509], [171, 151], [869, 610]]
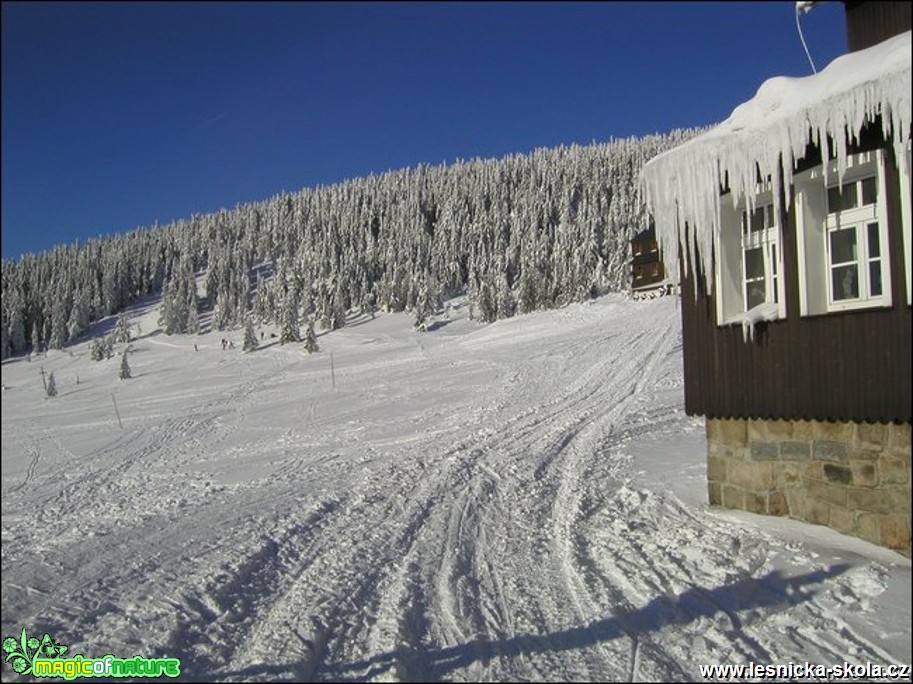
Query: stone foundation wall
[[852, 477]]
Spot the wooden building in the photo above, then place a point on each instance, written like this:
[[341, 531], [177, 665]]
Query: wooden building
[[648, 275], [794, 256]]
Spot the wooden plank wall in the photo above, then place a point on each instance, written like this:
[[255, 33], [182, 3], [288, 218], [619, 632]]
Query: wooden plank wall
[[852, 366], [869, 23]]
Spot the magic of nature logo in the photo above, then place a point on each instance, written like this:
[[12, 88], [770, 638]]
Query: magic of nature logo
[[45, 658]]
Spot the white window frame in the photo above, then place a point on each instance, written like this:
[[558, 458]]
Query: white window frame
[[736, 239], [905, 169], [814, 225]]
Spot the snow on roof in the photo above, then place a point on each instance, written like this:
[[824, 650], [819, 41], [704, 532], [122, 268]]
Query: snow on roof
[[772, 130]]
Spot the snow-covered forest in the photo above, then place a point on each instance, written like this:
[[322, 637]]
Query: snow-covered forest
[[517, 234]]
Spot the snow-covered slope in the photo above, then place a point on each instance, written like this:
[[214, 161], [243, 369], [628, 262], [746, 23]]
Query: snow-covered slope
[[522, 500]]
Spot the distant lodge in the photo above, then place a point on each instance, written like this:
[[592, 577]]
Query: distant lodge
[[648, 275]]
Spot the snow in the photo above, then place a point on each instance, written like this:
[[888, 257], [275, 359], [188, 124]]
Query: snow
[[682, 186], [765, 311], [524, 500]]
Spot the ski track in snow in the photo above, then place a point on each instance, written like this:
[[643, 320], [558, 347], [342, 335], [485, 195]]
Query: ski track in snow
[[464, 506]]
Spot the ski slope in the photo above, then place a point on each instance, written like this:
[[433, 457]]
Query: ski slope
[[523, 500]]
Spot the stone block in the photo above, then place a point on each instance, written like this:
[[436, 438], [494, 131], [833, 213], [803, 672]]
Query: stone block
[[756, 430], [836, 474], [871, 436], [818, 512], [752, 476], [787, 475], [834, 432], [712, 428], [716, 469], [864, 474], [777, 504], [733, 497], [715, 493], [814, 470], [868, 527], [864, 455], [899, 440], [764, 451], [795, 451], [899, 499], [805, 431], [755, 502], [894, 471], [832, 494], [734, 432], [779, 430], [868, 500], [842, 519], [827, 450], [895, 532], [795, 498]]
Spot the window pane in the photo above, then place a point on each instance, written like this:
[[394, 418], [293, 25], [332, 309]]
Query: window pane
[[874, 241], [757, 220], [875, 278], [843, 246], [833, 200], [754, 263], [869, 191], [754, 294], [848, 200], [845, 282]]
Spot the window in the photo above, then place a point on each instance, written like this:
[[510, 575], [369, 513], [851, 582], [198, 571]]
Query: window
[[750, 261], [906, 199], [855, 260], [842, 237], [760, 257]]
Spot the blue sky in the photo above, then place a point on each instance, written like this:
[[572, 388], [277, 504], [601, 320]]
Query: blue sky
[[116, 116]]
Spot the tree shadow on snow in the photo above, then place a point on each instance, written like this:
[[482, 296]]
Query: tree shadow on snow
[[421, 664]]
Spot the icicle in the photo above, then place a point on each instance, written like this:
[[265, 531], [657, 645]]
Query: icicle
[[682, 186]]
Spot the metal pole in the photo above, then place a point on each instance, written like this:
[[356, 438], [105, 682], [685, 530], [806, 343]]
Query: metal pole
[[117, 413]]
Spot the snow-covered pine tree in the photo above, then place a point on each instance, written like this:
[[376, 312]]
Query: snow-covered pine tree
[[124, 372], [192, 324], [52, 385], [290, 330], [97, 351], [59, 332], [250, 337], [122, 328], [79, 315], [507, 305], [488, 309], [310, 338], [424, 306]]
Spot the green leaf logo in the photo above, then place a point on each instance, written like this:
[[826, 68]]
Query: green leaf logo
[[21, 653]]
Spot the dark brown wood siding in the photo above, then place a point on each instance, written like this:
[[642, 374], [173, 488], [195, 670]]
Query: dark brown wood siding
[[869, 23], [852, 366]]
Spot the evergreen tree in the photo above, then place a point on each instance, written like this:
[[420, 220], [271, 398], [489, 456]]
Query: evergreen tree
[[98, 350], [192, 324], [52, 385], [124, 372], [59, 333], [79, 315], [310, 339], [424, 306], [488, 310], [290, 331], [250, 337], [122, 329]]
